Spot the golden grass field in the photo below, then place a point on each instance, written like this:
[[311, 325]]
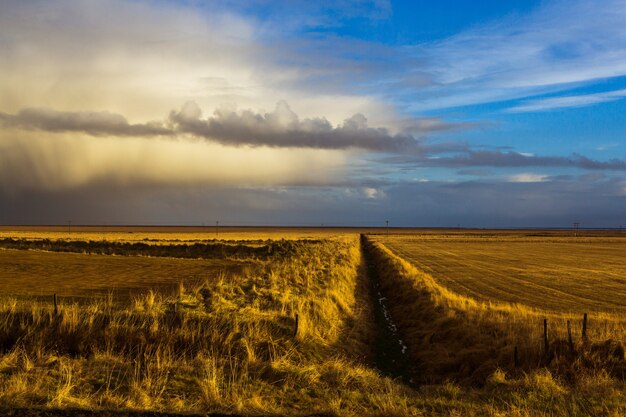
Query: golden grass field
[[174, 234], [555, 274], [41, 274], [219, 334]]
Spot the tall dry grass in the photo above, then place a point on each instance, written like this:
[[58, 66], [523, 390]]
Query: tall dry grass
[[454, 337], [229, 344]]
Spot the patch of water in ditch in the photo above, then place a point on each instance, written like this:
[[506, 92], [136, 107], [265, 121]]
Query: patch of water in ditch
[[391, 353]]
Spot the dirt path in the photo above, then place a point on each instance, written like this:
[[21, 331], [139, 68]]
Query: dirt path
[[390, 351]]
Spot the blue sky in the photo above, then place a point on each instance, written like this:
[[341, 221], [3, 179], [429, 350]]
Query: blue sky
[[485, 114]]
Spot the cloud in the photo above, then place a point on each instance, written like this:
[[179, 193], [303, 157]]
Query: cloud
[[92, 123], [559, 44], [568, 101], [141, 59], [515, 159], [497, 159], [281, 128], [527, 177], [57, 162], [593, 203]]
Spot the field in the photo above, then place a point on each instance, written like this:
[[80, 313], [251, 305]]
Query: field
[[328, 321], [174, 234], [40, 274], [555, 274]]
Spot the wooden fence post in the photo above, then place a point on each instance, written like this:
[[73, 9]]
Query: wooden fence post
[[546, 343], [585, 327], [54, 300], [295, 329], [569, 336]]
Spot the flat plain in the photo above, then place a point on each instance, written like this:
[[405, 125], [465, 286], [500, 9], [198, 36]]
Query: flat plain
[[555, 273], [36, 273], [174, 234]]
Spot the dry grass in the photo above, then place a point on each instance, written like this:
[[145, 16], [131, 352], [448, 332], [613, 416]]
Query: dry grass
[[228, 344], [555, 274], [450, 335], [172, 235], [225, 345], [41, 274]]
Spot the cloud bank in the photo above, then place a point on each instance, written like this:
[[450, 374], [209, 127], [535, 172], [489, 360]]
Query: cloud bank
[[55, 162], [281, 128], [92, 123]]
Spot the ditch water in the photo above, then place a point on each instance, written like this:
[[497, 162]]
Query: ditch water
[[391, 353]]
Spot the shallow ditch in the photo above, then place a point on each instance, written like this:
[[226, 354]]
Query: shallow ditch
[[390, 351]]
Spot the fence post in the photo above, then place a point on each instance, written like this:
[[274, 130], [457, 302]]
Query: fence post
[[54, 300], [295, 329], [546, 343], [585, 327], [569, 336]]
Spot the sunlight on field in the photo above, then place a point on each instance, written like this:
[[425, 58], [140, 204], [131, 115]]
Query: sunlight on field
[[160, 234], [284, 327], [39, 273], [558, 274]]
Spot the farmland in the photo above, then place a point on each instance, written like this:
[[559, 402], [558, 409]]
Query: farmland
[[40, 274], [173, 234], [417, 322], [554, 273]]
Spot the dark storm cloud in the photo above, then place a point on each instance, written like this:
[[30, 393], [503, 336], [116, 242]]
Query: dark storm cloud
[[92, 123], [281, 128]]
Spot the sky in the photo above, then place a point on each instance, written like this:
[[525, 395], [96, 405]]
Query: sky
[[344, 113]]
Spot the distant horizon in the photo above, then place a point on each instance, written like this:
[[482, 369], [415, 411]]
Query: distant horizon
[[304, 226]]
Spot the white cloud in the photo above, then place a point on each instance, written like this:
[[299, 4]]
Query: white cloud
[[568, 101], [372, 193], [141, 59], [528, 177], [560, 44]]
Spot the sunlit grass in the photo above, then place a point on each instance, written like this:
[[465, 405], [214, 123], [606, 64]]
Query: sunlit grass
[[229, 342], [451, 335]]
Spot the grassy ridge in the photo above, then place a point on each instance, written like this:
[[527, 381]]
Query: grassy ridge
[[216, 249]]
